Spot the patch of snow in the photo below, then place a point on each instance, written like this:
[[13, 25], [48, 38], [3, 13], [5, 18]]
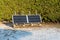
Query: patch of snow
[[43, 34], [12, 34], [29, 34]]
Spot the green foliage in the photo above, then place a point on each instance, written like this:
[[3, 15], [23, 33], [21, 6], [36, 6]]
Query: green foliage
[[48, 9]]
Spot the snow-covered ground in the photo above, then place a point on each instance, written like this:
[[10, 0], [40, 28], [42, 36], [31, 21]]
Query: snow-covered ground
[[30, 34], [42, 34], [12, 34]]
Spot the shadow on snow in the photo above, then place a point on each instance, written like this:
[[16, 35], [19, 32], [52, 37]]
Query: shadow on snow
[[13, 34]]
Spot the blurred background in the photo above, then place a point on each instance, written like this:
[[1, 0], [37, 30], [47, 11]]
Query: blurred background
[[48, 9]]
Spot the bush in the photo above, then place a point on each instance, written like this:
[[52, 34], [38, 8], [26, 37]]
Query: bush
[[48, 9]]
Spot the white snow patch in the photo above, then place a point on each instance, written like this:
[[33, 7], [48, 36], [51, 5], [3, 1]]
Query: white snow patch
[[43, 34]]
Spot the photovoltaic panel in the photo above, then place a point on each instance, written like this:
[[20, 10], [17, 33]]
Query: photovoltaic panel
[[33, 18], [19, 19], [26, 19]]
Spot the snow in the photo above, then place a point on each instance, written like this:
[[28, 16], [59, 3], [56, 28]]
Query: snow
[[44, 34], [12, 34], [41, 34]]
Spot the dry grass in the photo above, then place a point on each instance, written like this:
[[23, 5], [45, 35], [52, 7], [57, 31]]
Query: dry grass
[[36, 26], [49, 25], [43, 25]]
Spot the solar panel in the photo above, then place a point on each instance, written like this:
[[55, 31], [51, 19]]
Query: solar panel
[[19, 19], [34, 18], [26, 19]]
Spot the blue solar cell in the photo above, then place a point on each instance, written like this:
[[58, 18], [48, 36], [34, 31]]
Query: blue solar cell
[[34, 18], [19, 19]]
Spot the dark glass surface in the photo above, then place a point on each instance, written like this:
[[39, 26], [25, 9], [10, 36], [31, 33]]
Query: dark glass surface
[[34, 18], [20, 19]]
